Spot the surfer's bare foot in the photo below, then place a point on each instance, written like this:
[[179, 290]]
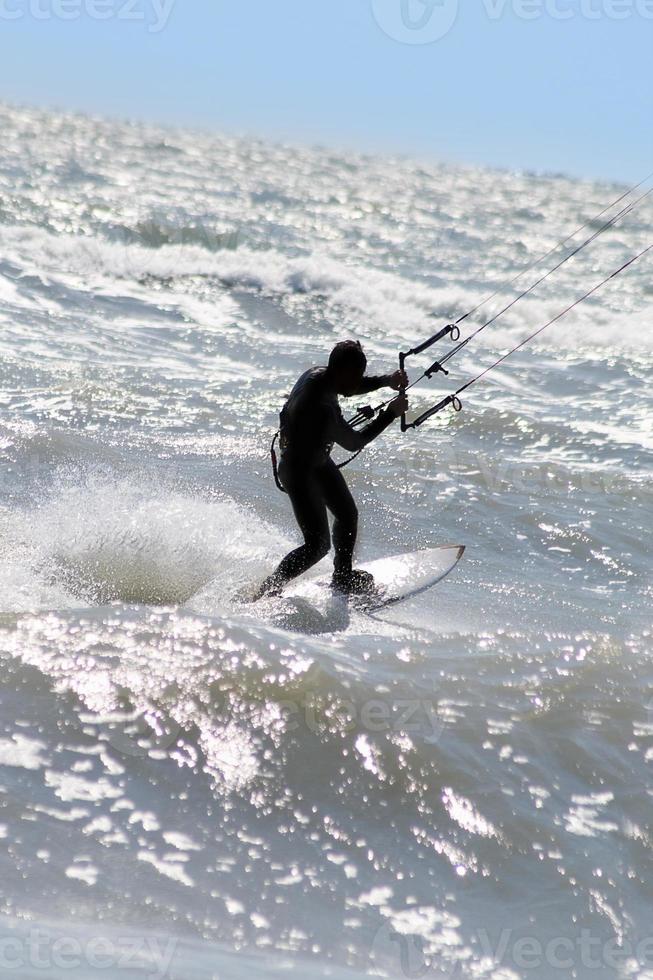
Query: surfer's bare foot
[[354, 582]]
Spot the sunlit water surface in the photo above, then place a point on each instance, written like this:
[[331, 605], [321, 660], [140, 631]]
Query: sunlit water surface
[[244, 792]]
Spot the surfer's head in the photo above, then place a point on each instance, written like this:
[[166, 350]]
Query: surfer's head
[[347, 364]]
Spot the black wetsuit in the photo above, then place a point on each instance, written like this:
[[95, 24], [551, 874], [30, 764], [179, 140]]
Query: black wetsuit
[[311, 422]]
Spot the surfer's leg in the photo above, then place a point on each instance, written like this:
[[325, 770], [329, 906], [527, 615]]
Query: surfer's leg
[[343, 507], [345, 530], [310, 512]]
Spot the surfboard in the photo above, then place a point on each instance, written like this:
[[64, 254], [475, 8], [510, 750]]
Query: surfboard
[[397, 578]]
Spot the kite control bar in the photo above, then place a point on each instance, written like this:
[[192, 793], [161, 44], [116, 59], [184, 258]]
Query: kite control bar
[[453, 331], [449, 400]]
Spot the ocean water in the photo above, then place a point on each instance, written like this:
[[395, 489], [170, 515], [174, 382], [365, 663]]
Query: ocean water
[[194, 789]]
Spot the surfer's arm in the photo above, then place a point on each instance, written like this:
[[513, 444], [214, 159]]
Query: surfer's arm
[[369, 383], [396, 380], [354, 439]]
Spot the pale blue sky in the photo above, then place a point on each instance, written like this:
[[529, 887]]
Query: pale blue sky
[[572, 95]]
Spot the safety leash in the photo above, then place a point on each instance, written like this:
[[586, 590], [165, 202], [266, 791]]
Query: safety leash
[[275, 464]]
